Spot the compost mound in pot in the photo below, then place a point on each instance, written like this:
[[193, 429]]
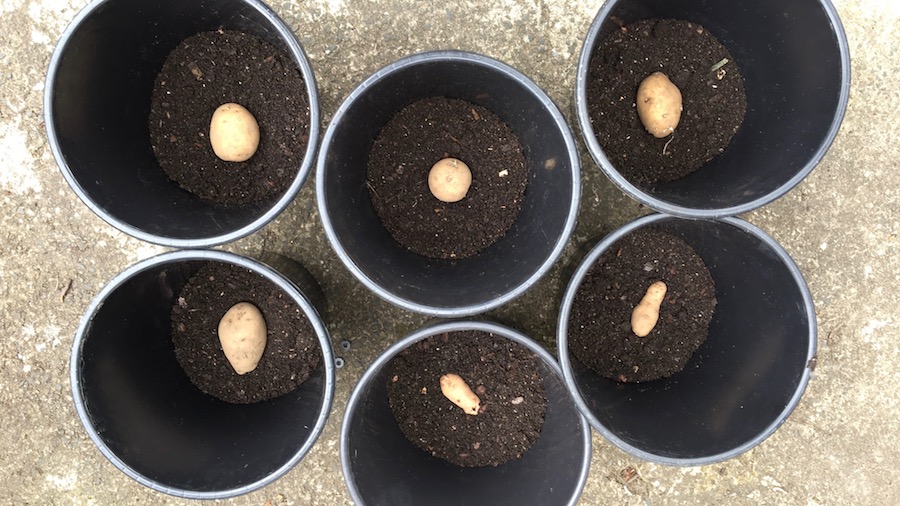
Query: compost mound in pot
[[713, 99], [599, 332], [420, 135], [213, 68], [502, 373], [292, 350]]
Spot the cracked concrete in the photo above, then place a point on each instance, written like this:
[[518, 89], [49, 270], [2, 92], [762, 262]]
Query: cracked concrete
[[841, 225]]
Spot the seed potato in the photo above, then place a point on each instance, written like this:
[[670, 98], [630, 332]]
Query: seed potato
[[242, 334], [449, 180], [233, 133], [659, 104], [646, 313]]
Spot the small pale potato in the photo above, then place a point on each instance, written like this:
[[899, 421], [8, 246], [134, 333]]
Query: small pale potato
[[458, 392], [659, 104], [242, 334], [646, 313], [449, 180], [233, 133]]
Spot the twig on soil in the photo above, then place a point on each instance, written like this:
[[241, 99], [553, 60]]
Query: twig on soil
[[372, 188], [454, 139], [719, 65], [66, 290]]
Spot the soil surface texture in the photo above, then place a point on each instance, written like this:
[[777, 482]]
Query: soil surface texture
[[292, 350], [600, 334], [213, 68], [503, 374], [714, 101], [420, 135]]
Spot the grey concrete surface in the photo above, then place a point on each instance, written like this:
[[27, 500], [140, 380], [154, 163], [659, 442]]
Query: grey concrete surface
[[840, 447]]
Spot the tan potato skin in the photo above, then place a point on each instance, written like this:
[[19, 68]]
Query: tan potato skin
[[233, 133], [646, 313], [242, 334], [659, 104], [449, 180], [458, 392]]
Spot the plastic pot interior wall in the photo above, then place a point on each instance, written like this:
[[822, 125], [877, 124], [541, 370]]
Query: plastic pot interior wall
[[795, 62], [741, 384], [146, 416], [498, 273], [97, 105], [382, 467]]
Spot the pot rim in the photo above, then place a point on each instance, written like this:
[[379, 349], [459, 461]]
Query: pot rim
[[448, 56], [566, 365], [662, 206], [296, 53], [202, 255], [425, 332]]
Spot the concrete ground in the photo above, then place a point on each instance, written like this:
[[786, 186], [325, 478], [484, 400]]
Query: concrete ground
[[841, 446]]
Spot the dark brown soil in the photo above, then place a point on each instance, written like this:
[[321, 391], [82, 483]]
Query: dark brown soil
[[213, 68], [600, 334], [292, 349], [416, 138], [503, 374], [714, 102]]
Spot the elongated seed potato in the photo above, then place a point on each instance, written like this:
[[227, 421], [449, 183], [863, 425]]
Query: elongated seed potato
[[458, 392], [646, 313]]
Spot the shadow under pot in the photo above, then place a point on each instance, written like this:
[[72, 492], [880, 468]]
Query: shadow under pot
[[703, 109], [454, 413], [705, 368], [448, 183], [165, 399], [147, 147]]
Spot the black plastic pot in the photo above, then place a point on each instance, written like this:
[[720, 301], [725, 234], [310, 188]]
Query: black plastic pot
[[144, 414], [97, 104], [381, 467], [505, 269], [741, 384], [795, 62]]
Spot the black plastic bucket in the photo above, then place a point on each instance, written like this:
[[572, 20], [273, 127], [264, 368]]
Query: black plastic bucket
[[502, 271], [144, 414], [741, 384], [382, 467], [795, 61], [97, 105]]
